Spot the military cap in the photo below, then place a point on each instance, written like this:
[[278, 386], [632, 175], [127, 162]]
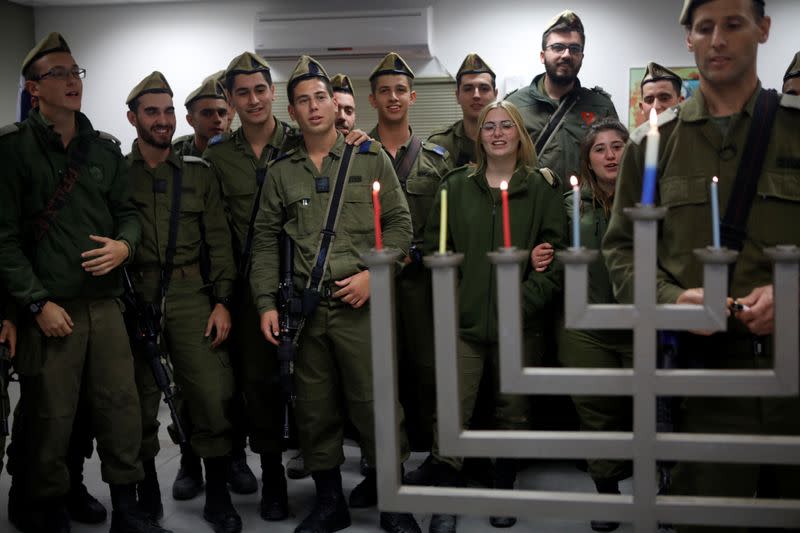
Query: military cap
[[211, 88], [306, 67], [218, 77], [794, 69], [688, 7], [567, 20], [154, 83], [50, 44], [474, 64], [392, 63], [246, 63], [656, 72], [342, 83]]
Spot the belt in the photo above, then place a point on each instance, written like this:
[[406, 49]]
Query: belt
[[191, 271]]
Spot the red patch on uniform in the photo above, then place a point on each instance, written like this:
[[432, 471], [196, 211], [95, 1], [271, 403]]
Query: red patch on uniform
[[588, 117]]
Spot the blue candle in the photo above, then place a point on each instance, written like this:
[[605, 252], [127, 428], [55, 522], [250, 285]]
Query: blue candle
[[576, 210], [651, 161], [715, 211]]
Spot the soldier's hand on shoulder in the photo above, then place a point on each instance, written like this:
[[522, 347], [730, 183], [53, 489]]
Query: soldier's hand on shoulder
[[106, 258], [9, 335], [219, 321], [759, 315], [356, 137], [54, 321], [354, 290], [269, 326]]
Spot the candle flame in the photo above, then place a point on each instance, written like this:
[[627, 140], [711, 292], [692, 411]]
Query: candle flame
[[573, 181], [715, 179], [504, 185], [653, 118], [376, 186]]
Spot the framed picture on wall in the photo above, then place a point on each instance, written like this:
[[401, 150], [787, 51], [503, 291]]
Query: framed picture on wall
[[691, 81]]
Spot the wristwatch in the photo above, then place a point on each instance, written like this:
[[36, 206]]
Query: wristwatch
[[36, 307], [225, 300]]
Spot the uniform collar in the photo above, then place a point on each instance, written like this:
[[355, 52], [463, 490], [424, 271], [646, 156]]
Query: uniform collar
[[335, 152], [517, 183], [276, 141], [136, 155], [695, 109], [40, 122], [538, 91]]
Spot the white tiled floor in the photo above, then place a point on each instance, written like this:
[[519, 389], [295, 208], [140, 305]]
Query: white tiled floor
[[186, 517]]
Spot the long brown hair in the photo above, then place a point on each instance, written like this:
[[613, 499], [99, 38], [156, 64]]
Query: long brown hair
[[599, 196], [526, 153]]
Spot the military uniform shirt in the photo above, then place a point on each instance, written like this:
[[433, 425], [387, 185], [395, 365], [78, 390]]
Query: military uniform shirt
[[184, 145], [454, 139]]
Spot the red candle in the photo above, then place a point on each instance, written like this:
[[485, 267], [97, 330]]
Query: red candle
[[506, 221], [376, 204]]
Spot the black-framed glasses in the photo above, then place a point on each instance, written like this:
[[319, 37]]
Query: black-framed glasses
[[504, 125], [559, 48], [62, 73]]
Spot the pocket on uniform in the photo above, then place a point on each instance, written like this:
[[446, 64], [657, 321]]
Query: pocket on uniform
[[30, 352], [299, 200], [676, 191], [357, 211]]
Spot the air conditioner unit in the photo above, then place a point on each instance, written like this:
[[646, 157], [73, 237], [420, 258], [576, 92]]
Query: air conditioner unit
[[344, 34]]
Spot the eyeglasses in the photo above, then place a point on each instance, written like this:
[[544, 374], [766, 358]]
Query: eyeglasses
[[489, 127], [559, 48], [62, 73]]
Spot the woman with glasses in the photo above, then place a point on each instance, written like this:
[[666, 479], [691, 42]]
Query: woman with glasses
[[475, 227]]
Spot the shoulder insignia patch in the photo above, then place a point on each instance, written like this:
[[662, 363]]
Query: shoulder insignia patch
[[435, 148], [598, 89], [196, 160], [108, 137], [283, 156], [216, 139], [550, 177], [9, 128], [367, 147], [790, 100]]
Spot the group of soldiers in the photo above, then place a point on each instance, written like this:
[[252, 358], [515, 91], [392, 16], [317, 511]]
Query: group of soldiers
[[199, 229]]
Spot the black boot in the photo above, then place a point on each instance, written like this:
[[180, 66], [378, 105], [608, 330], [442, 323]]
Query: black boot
[[50, 516], [148, 492], [82, 506], [126, 517], [605, 486], [219, 510], [365, 494], [399, 523], [446, 476], [505, 473], [443, 523], [240, 477], [274, 498], [425, 475], [330, 511], [189, 481]]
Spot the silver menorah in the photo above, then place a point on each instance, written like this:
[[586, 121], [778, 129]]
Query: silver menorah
[[644, 508]]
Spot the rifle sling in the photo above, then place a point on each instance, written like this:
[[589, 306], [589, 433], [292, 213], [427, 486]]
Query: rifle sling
[[402, 166], [172, 239], [247, 248], [555, 121]]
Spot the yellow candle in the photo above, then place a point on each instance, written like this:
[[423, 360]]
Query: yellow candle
[[443, 224]]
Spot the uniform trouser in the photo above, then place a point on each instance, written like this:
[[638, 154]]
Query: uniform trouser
[[95, 360], [758, 416], [511, 411], [417, 381], [334, 364], [5, 400], [600, 349], [202, 373]]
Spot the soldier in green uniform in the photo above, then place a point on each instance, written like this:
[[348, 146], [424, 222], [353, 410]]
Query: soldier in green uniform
[[67, 223], [345, 100], [420, 167], [207, 113], [692, 149], [661, 89], [194, 329], [791, 80], [536, 215], [333, 363], [558, 93], [475, 89]]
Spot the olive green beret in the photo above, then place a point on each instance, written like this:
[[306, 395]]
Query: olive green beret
[[794, 69], [474, 64], [211, 88], [218, 77], [246, 63], [688, 7], [566, 21], [154, 83], [392, 63], [342, 84], [306, 67], [52, 43], [656, 72]]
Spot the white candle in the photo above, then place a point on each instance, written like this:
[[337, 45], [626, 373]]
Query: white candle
[[715, 211], [651, 161], [576, 210]]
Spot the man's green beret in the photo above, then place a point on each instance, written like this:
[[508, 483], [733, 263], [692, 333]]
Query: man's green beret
[[565, 21], [211, 88], [154, 83], [341, 83], [474, 64], [794, 69], [246, 63], [392, 63], [50, 44], [306, 67], [688, 7], [656, 72]]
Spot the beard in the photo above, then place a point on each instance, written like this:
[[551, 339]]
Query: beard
[[149, 138], [563, 78]]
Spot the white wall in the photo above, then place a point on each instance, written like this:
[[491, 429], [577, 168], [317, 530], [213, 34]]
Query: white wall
[[16, 38], [187, 41]]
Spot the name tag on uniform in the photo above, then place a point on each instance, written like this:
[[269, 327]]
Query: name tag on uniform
[[354, 179], [160, 186], [322, 184]]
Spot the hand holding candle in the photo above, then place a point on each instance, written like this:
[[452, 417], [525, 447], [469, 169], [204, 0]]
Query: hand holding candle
[[715, 211], [576, 210], [376, 204], [506, 221], [443, 223], [651, 161]]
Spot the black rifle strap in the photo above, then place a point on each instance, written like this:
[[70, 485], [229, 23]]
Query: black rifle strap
[[555, 121], [733, 228], [247, 245], [331, 217], [58, 200], [402, 166], [172, 239]]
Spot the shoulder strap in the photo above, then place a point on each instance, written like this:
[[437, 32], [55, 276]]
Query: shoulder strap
[[733, 228], [172, 240], [247, 245], [402, 166], [555, 121]]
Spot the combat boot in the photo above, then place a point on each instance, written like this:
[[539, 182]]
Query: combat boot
[[50, 516], [425, 475], [505, 473], [443, 523], [365, 494], [446, 476], [148, 492], [126, 517], [296, 467], [605, 486], [219, 510], [189, 481], [82, 506], [240, 477], [399, 523], [274, 504], [330, 511]]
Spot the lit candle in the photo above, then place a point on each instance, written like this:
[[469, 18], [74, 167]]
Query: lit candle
[[443, 223], [376, 204], [651, 161], [506, 221], [715, 211], [576, 210]]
